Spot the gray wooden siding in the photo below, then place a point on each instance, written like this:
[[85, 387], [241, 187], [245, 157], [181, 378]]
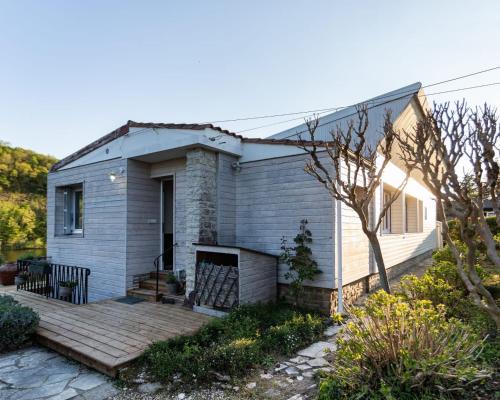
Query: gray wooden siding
[[272, 196], [176, 168], [257, 275], [102, 247], [143, 219], [226, 200]]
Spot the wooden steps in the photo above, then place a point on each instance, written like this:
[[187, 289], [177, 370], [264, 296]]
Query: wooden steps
[[146, 294], [147, 288]]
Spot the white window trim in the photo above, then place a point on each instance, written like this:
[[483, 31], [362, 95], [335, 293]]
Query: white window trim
[[387, 222]]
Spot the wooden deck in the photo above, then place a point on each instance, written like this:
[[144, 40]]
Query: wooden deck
[[106, 335]]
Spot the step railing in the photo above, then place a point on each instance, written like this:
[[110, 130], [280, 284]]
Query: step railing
[[44, 278], [157, 263]]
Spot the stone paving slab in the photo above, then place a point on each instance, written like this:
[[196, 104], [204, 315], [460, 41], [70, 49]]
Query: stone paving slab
[[38, 373]]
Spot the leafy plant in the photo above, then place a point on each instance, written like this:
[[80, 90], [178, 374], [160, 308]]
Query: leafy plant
[[170, 278], [237, 356], [293, 334], [17, 323], [249, 336], [398, 349], [299, 259], [2, 260]]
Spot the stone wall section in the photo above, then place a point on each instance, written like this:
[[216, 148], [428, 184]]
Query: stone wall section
[[326, 300], [201, 206]]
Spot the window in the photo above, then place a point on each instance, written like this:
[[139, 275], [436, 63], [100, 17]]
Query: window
[[393, 219], [413, 214], [386, 226], [69, 210], [77, 205]]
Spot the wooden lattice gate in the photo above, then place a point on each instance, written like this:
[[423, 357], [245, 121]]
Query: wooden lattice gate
[[216, 286]]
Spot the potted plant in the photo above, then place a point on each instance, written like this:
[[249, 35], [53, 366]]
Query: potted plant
[[171, 284], [66, 288], [21, 278]]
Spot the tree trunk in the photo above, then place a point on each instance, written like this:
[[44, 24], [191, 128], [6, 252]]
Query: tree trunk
[[377, 252], [474, 286]]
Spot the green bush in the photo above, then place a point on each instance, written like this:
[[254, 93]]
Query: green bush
[[441, 285], [454, 228], [293, 334], [247, 337], [394, 349], [2, 260], [236, 357], [17, 323]]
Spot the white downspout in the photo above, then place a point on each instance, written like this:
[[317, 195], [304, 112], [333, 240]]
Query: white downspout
[[340, 302]]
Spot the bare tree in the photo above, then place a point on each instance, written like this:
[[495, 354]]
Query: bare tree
[[446, 141], [351, 174]]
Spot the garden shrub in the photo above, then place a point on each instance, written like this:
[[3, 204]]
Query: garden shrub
[[294, 334], [441, 285], [247, 337], [237, 356], [393, 349], [454, 228], [17, 323]]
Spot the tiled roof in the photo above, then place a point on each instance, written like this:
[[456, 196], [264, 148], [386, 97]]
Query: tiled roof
[[124, 129]]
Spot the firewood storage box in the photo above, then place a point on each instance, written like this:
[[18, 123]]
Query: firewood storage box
[[227, 276]]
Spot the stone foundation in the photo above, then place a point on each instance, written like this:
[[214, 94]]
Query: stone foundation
[[326, 300]]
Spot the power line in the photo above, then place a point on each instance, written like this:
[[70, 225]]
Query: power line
[[379, 104], [341, 107]]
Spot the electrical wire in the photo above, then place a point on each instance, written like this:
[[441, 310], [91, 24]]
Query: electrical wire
[[341, 107], [401, 95]]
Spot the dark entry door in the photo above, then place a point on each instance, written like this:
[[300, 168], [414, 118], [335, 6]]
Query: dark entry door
[[168, 224]]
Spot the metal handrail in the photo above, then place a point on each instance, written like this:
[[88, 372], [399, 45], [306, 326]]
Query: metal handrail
[[156, 263], [46, 280]]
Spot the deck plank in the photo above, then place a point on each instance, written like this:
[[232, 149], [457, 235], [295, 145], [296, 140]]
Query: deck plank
[[106, 335]]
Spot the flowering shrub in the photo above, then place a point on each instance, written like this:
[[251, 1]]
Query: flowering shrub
[[294, 334], [441, 285], [392, 347]]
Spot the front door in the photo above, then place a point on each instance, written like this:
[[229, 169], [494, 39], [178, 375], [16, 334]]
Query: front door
[[168, 223]]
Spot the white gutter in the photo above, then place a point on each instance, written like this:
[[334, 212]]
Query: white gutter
[[340, 302]]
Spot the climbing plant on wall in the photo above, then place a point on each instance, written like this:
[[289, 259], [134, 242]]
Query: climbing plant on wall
[[299, 258]]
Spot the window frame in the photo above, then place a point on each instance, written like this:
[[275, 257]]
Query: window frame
[[68, 209], [387, 222]]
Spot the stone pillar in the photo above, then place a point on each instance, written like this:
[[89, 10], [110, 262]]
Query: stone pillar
[[201, 203]]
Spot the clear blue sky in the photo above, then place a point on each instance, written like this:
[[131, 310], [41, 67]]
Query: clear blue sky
[[72, 71]]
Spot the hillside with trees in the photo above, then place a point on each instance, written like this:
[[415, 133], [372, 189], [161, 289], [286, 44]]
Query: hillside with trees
[[23, 183]]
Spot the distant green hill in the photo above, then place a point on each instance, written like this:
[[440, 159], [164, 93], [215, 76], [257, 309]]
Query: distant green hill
[[23, 183]]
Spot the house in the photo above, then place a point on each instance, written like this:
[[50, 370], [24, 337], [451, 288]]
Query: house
[[181, 190]]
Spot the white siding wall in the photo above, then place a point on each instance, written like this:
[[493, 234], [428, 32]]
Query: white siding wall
[[177, 168], [143, 219], [272, 197], [257, 277], [399, 247], [102, 245], [355, 247], [226, 200]]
